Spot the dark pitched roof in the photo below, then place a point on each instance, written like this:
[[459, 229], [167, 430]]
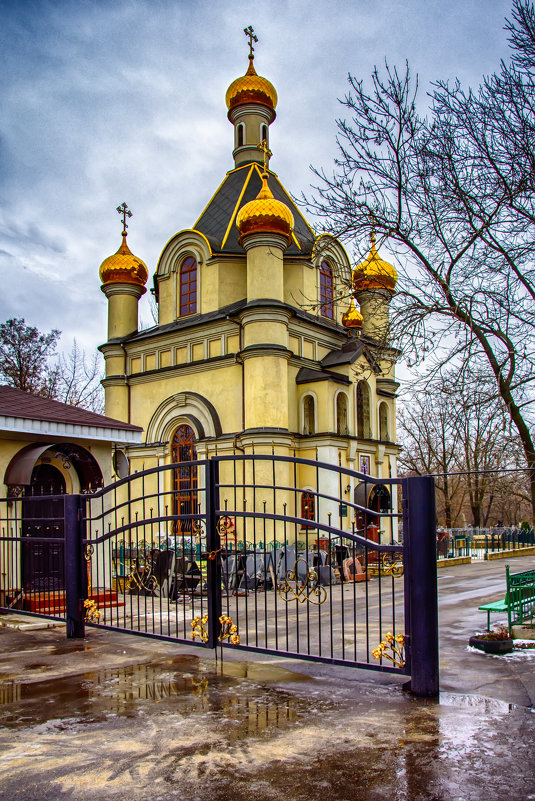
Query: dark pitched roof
[[16, 403], [307, 375], [348, 354], [218, 220]]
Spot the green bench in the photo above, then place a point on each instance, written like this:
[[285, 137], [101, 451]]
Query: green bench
[[519, 601]]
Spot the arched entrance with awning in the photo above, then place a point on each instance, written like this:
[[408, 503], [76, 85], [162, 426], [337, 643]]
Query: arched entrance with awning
[[40, 475]]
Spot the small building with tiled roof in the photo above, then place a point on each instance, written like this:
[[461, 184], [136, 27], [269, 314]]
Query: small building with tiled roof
[[43, 441]]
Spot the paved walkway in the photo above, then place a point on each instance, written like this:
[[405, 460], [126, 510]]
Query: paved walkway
[[116, 716]]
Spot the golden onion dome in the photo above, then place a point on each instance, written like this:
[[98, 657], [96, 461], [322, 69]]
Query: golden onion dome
[[265, 214], [251, 88], [123, 267], [374, 273], [352, 318]]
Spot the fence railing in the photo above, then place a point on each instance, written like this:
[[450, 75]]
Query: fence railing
[[478, 542]]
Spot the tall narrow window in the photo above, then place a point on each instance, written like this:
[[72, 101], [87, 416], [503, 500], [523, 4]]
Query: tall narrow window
[[383, 422], [308, 506], [326, 290], [309, 423], [240, 135], [363, 410], [185, 501], [341, 414], [188, 286], [263, 133]]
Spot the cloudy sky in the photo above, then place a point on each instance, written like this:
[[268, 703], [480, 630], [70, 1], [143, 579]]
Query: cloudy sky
[[107, 101]]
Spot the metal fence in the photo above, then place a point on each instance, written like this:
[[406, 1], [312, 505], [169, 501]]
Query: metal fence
[[258, 552], [478, 542]]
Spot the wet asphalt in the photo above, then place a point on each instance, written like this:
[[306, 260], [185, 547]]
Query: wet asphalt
[[116, 716]]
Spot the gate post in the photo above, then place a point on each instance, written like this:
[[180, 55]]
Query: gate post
[[213, 544], [74, 566], [420, 538]]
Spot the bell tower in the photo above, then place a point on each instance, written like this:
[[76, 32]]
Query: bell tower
[[251, 102]]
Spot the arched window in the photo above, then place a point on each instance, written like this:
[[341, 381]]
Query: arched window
[[309, 415], [363, 410], [341, 414], [308, 507], [263, 134], [326, 290], [185, 482], [188, 286], [240, 135], [383, 422]]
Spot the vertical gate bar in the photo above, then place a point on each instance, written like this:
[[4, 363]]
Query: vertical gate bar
[[422, 585], [213, 544], [75, 586]]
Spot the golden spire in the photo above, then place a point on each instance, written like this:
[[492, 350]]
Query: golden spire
[[123, 267], [352, 318], [265, 214], [374, 272], [251, 88]]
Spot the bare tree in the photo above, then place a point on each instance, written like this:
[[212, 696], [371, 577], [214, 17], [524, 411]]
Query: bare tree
[[28, 361], [452, 196], [78, 380], [24, 357]]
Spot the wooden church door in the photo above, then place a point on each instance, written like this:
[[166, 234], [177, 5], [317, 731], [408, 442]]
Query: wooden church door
[[185, 479], [42, 562]]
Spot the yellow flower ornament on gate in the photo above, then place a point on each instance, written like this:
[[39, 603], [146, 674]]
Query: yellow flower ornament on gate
[[396, 645], [229, 631]]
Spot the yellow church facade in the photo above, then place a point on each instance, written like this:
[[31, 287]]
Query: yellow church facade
[[259, 345]]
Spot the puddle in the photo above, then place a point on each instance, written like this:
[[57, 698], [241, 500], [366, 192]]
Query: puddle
[[182, 727], [234, 690]]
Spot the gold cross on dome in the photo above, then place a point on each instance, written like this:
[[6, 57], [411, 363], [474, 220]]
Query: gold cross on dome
[[249, 32], [266, 151], [125, 212]]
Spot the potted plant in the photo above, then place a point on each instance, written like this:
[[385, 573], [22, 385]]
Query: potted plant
[[497, 641]]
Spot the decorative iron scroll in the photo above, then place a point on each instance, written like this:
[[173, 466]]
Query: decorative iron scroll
[[141, 576], [308, 589], [397, 647], [392, 564]]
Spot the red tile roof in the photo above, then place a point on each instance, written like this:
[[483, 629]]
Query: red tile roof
[[15, 403]]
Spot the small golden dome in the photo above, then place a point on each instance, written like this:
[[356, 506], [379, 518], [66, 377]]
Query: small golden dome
[[374, 273], [123, 268], [251, 88], [265, 214], [352, 318]]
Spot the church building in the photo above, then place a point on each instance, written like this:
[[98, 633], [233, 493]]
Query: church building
[[260, 345]]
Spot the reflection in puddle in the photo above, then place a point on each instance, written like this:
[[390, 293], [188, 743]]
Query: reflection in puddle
[[125, 692]]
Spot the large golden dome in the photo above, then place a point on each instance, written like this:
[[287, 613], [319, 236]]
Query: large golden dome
[[265, 214], [123, 268], [374, 273], [251, 88]]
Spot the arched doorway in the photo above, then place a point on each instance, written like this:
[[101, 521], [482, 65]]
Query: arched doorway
[[376, 498], [42, 514], [185, 478]]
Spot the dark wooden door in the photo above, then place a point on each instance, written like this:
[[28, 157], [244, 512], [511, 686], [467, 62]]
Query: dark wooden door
[[185, 479], [42, 509]]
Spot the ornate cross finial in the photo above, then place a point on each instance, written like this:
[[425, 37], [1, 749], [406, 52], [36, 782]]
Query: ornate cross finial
[[125, 212], [266, 151], [249, 32]]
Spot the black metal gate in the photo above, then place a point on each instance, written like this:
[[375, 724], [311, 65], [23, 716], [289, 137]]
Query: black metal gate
[[281, 555]]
